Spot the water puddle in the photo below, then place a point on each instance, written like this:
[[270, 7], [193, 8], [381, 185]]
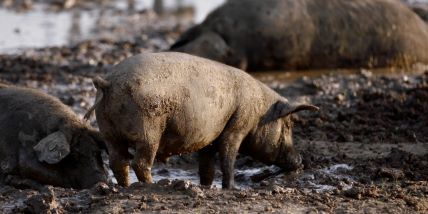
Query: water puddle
[[321, 180], [327, 179], [41, 27], [10, 207], [192, 175]]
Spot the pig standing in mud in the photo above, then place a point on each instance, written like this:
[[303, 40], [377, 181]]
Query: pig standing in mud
[[164, 104], [309, 34], [43, 142]]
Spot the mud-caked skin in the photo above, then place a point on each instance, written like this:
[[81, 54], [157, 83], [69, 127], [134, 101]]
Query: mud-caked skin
[[163, 104], [42, 141], [303, 34]]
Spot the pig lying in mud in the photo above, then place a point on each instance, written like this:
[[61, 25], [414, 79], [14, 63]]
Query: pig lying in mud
[[43, 142], [163, 104], [309, 34]]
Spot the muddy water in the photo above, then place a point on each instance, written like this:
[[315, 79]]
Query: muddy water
[[323, 179], [40, 27]]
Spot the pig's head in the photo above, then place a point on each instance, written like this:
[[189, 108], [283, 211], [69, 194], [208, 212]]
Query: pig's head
[[208, 44], [271, 141], [76, 155]]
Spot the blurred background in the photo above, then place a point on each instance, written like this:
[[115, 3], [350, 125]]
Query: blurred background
[[41, 23]]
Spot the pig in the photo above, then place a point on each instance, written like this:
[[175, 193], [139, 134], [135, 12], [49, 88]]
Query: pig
[[164, 104], [42, 141], [309, 34]]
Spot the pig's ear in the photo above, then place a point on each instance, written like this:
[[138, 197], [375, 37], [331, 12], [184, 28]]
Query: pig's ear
[[285, 109], [53, 148]]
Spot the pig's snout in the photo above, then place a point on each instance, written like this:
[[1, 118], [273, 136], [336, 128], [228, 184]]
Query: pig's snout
[[291, 162], [296, 161]]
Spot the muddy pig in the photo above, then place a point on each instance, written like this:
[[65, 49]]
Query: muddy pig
[[163, 104], [309, 34], [42, 141]]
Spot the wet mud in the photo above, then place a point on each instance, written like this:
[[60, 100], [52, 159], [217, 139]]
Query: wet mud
[[365, 151]]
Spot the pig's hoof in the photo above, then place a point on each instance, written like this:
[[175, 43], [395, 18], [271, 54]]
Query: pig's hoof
[[230, 187]]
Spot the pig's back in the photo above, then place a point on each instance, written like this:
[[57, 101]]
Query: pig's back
[[34, 102], [172, 68], [23, 121]]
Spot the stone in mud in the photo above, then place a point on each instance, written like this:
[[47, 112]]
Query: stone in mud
[[353, 192], [42, 141], [164, 104], [102, 188], [164, 182], [195, 191], [181, 185], [309, 34], [390, 173]]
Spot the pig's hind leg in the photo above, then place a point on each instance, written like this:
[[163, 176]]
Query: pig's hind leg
[[119, 160], [146, 148]]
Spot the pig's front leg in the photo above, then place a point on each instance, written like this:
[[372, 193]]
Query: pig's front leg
[[207, 165], [31, 168], [229, 146]]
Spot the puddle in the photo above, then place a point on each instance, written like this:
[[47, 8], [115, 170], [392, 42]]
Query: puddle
[[327, 179], [40, 28], [12, 205], [322, 180], [176, 173]]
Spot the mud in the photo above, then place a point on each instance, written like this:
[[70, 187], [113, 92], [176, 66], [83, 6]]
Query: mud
[[365, 151]]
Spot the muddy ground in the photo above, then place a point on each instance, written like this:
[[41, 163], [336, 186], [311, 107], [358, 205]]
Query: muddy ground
[[366, 151]]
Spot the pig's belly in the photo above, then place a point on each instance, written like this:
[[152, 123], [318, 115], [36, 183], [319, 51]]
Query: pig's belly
[[198, 120], [174, 145], [188, 137]]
